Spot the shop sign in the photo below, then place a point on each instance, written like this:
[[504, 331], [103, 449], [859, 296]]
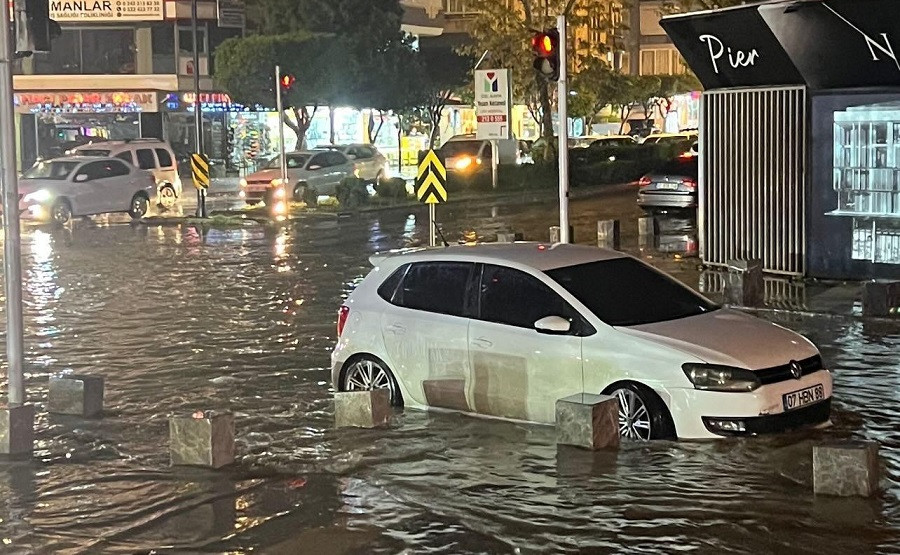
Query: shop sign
[[209, 102], [84, 102], [231, 13], [493, 109], [107, 10]]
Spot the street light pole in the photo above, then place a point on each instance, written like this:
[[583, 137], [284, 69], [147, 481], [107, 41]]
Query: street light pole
[[279, 105], [12, 261], [198, 116]]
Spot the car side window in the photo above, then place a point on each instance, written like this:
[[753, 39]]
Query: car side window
[[439, 287], [165, 159], [126, 155], [94, 170], [364, 153], [319, 160], [115, 168], [336, 158], [514, 298], [145, 159], [387, 289]]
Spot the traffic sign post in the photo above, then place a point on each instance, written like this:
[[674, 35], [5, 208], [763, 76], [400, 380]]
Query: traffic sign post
[[493, 111], [431, 188], [200, 174]]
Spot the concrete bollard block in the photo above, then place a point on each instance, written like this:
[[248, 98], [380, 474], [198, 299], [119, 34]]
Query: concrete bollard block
[[554, 234], [881, 298], [589, 421], [744, 284], [78, 394], [362, 409], [16, 429], [608, 234], [846, 468], [509, 237], [647, 231], [202, 439]]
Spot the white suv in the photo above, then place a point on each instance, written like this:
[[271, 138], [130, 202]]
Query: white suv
[[152, 155], [508, 329]]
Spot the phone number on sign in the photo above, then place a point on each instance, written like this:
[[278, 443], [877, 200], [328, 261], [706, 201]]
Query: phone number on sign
[[492, 119]]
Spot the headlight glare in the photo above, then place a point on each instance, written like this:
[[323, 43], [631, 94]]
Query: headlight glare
[[41, 195], [714, 377], [242, 182]]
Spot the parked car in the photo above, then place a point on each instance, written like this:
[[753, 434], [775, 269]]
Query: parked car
[[56, 190], [674, 185], [371, 164], [316, 171], [152, 155], [464, 154], [506, 330], [613, 140], [656, 138]]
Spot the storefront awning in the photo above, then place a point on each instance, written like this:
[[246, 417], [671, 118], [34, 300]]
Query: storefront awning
[[824, 44]]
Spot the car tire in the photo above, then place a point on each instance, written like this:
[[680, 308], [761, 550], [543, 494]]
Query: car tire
[[299, 191], [167, 196], [139, 206], [642, 414], [378, 177], [61, 212], [367, 373]]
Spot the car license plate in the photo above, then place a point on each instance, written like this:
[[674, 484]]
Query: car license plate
[[803, 397], [669, 186]]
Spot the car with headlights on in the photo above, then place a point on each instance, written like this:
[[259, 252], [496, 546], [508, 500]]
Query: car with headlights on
[[505, 330], [317, 171], [57, 190]]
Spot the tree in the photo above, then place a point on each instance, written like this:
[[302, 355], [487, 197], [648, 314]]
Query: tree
[[672, 85], [676, 6], [504, 29], [245, 69], [646, 91], [597, 86]]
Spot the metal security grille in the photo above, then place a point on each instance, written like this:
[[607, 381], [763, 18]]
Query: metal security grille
[[752, 174]]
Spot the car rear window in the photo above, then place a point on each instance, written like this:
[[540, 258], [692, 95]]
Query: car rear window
[[456, 148], [626, 292], [165, 160]]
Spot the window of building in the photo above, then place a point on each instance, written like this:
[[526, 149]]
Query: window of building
[[458, 7], [89, 51], [186, 40], [163, 45], [661, 61]]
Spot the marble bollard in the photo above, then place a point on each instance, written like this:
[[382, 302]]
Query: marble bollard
[[608, 234], [555, 235], [16, 429], [509, 237], [744, 285], [847, 468], [78, 394], [362, 409], [202, 439], [588, 421], [881, 298]]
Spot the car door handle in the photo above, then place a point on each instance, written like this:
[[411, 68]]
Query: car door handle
[[396, 329], [482, 342]]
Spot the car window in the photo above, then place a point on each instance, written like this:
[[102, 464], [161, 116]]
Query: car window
[[96, 170], [335, 158], [457, 148], [126, 155], [364, 152], [514, 298], [165, 159], [145, 159], [626, 292], [116, 168], [319, 160], [50, 169], [487, 153], [436, 287], [387, 289]]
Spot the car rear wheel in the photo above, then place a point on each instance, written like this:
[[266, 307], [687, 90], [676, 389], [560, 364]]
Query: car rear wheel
[[61, 212], [642, 414], [368, 373], [139, 206]]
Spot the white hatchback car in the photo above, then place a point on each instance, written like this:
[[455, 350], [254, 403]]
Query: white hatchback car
[[507, 329]]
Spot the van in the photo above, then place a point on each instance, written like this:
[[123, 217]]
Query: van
[[153, 155]]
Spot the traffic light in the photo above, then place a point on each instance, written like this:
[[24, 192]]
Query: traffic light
[[34, 30], [546, 53], [287, 81]]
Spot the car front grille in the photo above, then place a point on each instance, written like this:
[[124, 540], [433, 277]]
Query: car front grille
[[782, 373]]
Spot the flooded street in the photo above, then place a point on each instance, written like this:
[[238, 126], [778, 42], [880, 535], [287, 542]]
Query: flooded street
[[178, 319]]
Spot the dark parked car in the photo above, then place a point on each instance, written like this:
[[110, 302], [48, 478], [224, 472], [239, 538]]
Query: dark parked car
[[674, 185]]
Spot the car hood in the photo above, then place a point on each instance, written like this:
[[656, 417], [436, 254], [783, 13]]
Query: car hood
[[728, 337], [27, 186]]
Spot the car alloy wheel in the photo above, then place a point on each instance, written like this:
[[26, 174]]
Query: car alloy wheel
[[61, 212], [634, 416], [167, 196], [367, 375]]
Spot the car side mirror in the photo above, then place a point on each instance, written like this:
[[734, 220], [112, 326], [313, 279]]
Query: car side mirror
[[314, 167], [553, 325], [81, 177]]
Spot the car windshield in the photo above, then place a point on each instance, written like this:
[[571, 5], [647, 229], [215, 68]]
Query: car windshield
[[457, 148], [93, 152], [626, 292], [293, 161], [51, 169]]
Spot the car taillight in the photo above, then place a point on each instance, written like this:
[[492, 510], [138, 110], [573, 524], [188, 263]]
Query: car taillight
[[689, 183], [343, 312], [644, 181]]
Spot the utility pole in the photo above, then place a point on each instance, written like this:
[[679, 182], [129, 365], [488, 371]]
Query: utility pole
[[198, 115], [279, 105], [562, 95]]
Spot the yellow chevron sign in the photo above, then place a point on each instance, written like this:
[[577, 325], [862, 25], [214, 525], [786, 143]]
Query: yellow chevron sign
[[200, 170], [431, 182]]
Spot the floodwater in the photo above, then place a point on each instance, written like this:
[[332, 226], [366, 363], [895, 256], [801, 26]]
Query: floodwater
[[179, 319]]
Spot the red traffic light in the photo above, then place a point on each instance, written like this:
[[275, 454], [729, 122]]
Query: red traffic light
[[543, 45], [287, 81]]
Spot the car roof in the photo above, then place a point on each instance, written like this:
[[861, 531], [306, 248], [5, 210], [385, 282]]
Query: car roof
[[540, 256], [123, 142], [79, 158]]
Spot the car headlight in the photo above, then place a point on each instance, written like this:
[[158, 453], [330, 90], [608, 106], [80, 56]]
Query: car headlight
[[279, 192], [42, 195], [242, 182], [463, 163], [714, 377]]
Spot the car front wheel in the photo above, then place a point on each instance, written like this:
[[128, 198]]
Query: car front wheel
[[369, 373], [642, 414], [61, 212]]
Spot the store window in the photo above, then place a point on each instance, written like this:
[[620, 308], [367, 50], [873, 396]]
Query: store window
[[186, 40], [163, 44], [89, 51]]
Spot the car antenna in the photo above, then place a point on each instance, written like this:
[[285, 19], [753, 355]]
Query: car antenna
[[440, 234]]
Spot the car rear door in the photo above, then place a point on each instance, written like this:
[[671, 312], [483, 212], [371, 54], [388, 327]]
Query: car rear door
[[425, 332], [516, 371]]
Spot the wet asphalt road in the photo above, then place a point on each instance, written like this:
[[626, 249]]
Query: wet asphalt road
[[180, 318]]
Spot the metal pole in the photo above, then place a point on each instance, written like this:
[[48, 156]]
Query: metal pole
[[12, 260], [495, 162], [198, 115], [562, 97], [280, 107], [432, 240]]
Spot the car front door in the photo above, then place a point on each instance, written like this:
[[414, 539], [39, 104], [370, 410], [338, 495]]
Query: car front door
[[318, 170], [517, 371], [339, 167], [425, 332], [93, 188]]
